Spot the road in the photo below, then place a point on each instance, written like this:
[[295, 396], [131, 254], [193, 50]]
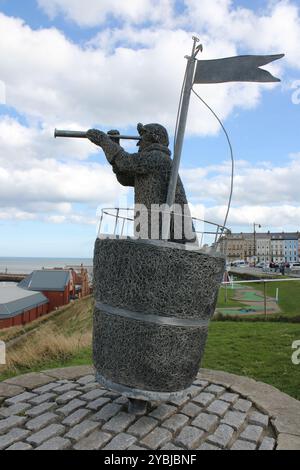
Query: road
[[258, 272]]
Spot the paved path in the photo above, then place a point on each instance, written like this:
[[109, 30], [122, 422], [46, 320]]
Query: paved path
[[257, 272], [66, 409]]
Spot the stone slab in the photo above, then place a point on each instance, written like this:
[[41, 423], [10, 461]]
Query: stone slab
[[206, 421], [171, 421], [120, 442], [70, 373], [30, 381], [288, 442], [55, 443], [189, 437], [20, 446], [287, 422], [14, 409], [243, 445], [7, 390], [94, 441], [222, 436], [268, 443], [142, 426], [82, 430], [54, 430], [23, 397], [157, 438], [14, 435]]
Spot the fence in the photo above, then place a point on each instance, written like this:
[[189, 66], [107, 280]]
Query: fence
[[120, 222], [2, 353]]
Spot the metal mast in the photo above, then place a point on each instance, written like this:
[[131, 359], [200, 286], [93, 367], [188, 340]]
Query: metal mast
[[190, 70]]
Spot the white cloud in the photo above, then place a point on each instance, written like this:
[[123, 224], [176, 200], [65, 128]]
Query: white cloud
[[54, 182], [264, 194], [40, 185], [72, 219], [277, 217], [28, 145], [97, 12], [124, 75], [252, 184], [273, 30], [12, 213]]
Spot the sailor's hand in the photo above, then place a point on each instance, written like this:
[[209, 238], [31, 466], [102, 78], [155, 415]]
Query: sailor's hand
[[95, 136], [114, 132]]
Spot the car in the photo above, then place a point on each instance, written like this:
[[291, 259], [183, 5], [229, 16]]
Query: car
[[239, 264], [261, 265], [295, 266]]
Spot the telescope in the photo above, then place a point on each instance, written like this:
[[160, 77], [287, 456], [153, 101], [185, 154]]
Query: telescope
[[83, 135]]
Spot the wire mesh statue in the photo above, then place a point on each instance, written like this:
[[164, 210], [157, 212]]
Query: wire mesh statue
[[148, 171]]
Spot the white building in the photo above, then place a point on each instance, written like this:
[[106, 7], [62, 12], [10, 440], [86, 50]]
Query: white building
[[263, 249], [277, 248]]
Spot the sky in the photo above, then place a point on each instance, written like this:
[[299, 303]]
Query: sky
[[109, 64]]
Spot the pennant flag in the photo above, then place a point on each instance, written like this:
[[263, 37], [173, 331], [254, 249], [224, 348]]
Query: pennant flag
[[244, 68]]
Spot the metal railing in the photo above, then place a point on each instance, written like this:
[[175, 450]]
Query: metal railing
[[120, 222]]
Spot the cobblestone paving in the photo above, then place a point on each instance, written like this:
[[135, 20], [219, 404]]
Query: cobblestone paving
[[80, 414]]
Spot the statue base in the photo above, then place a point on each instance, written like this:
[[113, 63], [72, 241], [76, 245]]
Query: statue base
[[153, 302]]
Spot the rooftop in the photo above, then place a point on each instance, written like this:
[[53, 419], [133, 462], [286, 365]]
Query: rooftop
[[14, 300], [266, 235], [46, 280]]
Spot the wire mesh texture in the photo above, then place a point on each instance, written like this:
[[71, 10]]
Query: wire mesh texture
[[119, 222]]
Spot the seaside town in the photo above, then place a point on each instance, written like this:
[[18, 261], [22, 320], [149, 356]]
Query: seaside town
[[263, 248], [24, 298], [149, 230]]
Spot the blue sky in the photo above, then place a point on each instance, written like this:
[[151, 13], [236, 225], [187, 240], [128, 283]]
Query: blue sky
[[111, 64]]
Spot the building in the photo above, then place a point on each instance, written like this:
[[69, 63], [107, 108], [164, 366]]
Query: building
[[291, 246], [262, 247], [81, 281], [59, 285], [55, 284], [240, 246], [277, 248], [249, 247], [233, 245], [19, 306]]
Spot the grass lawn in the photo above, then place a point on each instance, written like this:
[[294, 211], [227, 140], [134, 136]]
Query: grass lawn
[[289, 295], [259, 350], [222, 303]]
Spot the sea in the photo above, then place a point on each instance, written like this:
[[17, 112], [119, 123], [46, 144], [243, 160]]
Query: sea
[[27, 265]]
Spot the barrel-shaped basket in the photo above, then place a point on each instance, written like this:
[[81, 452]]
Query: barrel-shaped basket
[[153, 302]]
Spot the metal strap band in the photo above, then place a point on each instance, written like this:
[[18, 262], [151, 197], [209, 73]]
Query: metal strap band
[[139, 394], [150, 318]]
